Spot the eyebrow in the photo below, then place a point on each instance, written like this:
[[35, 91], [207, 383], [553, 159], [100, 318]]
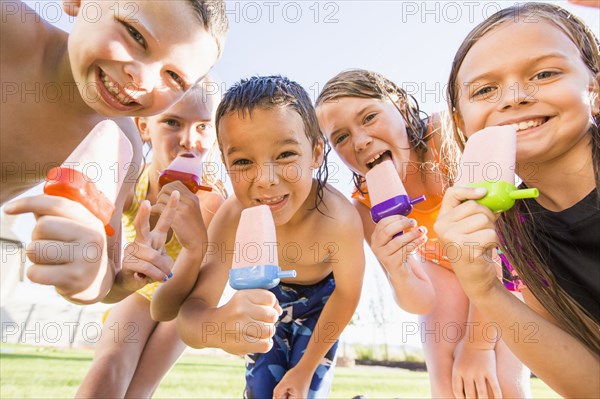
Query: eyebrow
[[530, 61], [231, 150]]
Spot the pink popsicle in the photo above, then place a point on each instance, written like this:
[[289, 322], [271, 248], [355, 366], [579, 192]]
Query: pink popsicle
[[186, 168], [384, 183], [489, 155], [256, 240]]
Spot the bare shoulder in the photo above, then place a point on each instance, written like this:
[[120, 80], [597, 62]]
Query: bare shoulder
[[226, 219], [338, 210], [210, 202], [24, 34]]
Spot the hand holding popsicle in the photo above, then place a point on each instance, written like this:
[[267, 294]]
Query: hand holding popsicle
[[73, 217], [488, 161]]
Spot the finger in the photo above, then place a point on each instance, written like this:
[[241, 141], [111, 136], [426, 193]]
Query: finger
[[384, 232], [474, 223], [481, 388], [494, 386], [142, 223], [148, 261], [454, 196], [470, 391], [261, 297], [263, 314], [59, 228], [60, 276], [165, 220], [49, 252], [49, 205], [458, 386], [259, 331]]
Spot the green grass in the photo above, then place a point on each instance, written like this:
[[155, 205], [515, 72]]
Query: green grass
[[37, 372]]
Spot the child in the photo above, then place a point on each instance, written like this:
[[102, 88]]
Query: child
[[121, 59], [368, 118], [137, 365], [271, 144], [535, 66]]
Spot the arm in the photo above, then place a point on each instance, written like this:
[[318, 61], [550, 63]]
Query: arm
[[411, 286], [189, 227], [562, 366], [348, 269], [200, 323]]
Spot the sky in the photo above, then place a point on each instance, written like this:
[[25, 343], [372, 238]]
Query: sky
[[410, 42]]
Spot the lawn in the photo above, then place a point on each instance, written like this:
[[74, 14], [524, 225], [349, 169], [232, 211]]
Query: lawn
[[37, 372]]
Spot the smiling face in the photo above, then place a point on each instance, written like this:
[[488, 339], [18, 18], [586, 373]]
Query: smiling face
[[270, 160], [530, 75], [364, 132], [137, 58], [186, 127]]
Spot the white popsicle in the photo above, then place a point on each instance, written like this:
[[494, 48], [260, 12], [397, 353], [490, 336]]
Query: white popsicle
[[489, 155], [384, 183], [255, 238], [103, 157]]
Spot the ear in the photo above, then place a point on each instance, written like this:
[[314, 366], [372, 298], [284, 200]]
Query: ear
[[142, 126], [318, 154], [595, 94], [71, 7]]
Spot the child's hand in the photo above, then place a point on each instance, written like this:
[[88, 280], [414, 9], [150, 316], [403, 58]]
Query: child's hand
[[467, 229], [474, 372], [68, 248], [145, 259], [295, 384], [188, 223], [252, 315], [392, 251]]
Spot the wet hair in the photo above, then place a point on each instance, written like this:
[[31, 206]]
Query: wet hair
[[362, 83], [268, 92], [516, 227], [213, 17]]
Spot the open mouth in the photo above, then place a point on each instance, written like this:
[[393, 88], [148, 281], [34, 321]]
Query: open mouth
[[529, 124], [116, 92], [273, 202], [379, 158]]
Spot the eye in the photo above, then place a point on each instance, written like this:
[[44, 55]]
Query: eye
[[137, 36], [241, 162], [545, 75], [483, 91], [370, 117], [339, 139], [287, 154], [171, 122], [204, 127], [177, 79]]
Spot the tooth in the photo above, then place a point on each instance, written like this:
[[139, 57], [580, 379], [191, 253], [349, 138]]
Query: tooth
[[523, 125]]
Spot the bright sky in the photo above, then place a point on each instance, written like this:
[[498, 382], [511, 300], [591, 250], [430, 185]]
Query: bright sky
[[410, 42]]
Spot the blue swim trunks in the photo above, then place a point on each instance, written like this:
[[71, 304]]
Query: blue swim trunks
[[302, 306]]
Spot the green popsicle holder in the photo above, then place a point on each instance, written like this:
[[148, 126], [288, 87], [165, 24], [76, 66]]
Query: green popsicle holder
[[501, 195]]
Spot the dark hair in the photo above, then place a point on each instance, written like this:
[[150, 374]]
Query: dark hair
[[267, 92], [518, 237], [213, 17], [362, 83]]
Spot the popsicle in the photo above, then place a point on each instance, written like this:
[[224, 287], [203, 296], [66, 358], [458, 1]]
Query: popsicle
[[186, 168], [94, 172], [255, 261], [489, 161], [387, 193]]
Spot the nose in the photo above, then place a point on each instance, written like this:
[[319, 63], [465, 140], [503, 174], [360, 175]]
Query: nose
[[516, 94], [190, 138], [267, 175], [361, 141], [144, 77]]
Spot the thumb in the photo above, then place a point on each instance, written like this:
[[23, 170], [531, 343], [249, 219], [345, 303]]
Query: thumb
[[455, 196]]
